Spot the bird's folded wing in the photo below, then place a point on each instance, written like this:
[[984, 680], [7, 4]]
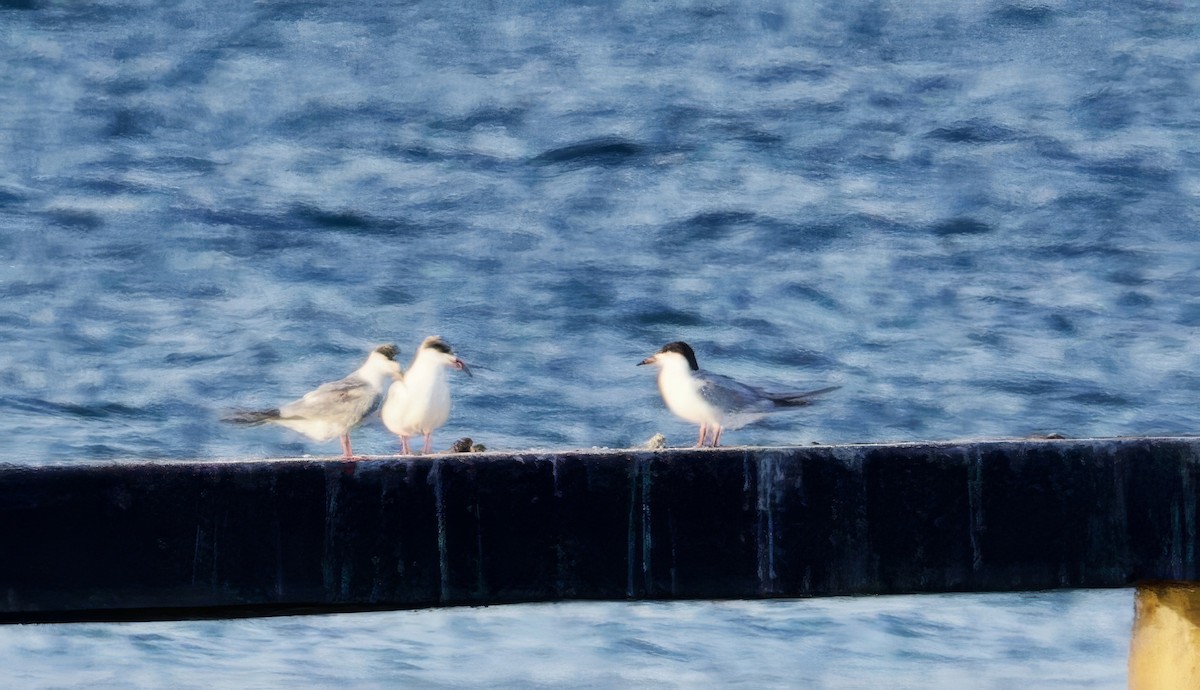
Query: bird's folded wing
[[727, 394]]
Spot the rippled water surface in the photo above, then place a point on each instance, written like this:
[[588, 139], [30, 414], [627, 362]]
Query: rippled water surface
[[1037, 640], [977, 217]]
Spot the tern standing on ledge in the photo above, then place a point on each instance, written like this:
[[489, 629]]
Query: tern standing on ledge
[[334, 408], [421, 402], [713, 401]]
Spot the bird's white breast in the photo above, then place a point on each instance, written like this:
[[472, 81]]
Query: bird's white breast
[[420, 404], [681, 393]]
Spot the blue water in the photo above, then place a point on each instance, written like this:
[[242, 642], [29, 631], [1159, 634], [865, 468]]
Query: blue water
[[977, 217], [1003, 641]]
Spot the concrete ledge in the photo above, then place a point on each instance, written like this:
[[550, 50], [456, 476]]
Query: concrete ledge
[[192, 539]]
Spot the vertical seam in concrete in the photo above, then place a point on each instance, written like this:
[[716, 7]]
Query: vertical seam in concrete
[[377, 581], [480, 579], [1120, 467], [275, 518], [674, 570], [196, 552], [560, 555], [1189, 518], [975, 503], [765, 543], [331, 492], [630, 555], [647, 525], [439, 503]]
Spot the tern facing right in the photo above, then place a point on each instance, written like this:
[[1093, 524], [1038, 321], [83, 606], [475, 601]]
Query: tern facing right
[[421, 402], [713, 401], [334, 408]]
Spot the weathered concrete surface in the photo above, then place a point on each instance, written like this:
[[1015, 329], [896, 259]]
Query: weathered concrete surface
[[181, 539]]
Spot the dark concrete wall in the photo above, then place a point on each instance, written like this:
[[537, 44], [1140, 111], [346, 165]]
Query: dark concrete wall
[[124, 540]]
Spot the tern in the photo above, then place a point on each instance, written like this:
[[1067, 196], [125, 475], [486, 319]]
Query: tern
[[421, 402], [713, 401], [334, 408]]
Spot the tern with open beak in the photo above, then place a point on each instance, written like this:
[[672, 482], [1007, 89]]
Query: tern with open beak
[[420, 403]]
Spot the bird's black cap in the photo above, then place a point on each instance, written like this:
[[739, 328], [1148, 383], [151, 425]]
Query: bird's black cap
[[683, 349], [436, 343]]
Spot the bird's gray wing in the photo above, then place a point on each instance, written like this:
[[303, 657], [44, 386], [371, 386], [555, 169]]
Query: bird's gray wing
[[729, 395], [349, 397]]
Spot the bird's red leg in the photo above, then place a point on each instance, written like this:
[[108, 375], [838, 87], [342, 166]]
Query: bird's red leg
[[346, 446], [703, 433], [428, 444], [716, 437]]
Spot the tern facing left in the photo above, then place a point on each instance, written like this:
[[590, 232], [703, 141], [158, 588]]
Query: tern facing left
[[421, 402], [334, 408], [713, 401]]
